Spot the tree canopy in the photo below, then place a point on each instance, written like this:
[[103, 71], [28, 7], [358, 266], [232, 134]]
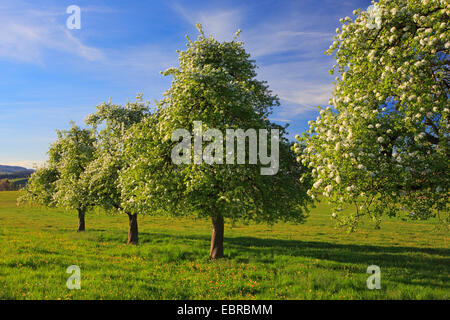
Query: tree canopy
[[101, 177], [383, 143], [40, 188]]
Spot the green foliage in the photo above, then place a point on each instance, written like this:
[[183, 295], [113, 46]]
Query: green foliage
[[19, 183], [215, 83], [110, 123], [41, 187], [71, 155], [384, 145], [60, 182]]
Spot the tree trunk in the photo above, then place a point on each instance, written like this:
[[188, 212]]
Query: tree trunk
[[133, 237], [216, 251], [81, 223]]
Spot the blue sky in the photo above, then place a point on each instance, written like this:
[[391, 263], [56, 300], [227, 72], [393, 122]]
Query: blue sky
[[50, 75]]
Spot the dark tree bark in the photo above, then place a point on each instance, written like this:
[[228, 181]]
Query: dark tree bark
[[133, 237], [216, 251], [81, 223]]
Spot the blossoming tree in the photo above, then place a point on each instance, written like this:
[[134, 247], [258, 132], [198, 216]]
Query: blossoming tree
[[214, 84], [60, 182], [40, 188], [383, 143], [101, 177]]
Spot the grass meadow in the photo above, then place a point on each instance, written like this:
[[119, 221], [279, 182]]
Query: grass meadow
[[284, 261]]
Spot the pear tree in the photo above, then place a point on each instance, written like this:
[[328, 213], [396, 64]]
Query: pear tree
[[40, 188], [382, 146], [101, 177], [185, 161], [59, 183]]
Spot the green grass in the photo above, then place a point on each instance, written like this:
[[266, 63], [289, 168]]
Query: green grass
[[284, 261]]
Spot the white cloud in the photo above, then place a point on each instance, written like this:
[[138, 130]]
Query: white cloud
[[33, 35], [145, 59], [222, 24], [280, 120], [312, 94], [279, 38], [29, 164], [302, 84], [28, 34], [267, 37], [76, 46]]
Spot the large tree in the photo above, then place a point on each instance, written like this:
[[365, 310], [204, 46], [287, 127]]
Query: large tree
[[100, 178], [383, 143], [214, 87], [59, 182]]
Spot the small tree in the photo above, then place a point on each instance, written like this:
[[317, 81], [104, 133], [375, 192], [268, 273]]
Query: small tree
[[70, 155], [383, 146], [60, 182], [101, 176], [5, 185], [215, 84], [40, 188]]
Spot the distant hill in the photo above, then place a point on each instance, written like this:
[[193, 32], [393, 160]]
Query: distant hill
[[14, 172], [6, 169]]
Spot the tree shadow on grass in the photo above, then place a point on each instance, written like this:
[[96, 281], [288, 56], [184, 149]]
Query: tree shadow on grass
[[318, 249]]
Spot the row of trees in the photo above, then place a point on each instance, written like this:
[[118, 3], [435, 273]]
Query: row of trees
[[22, 174], [6, 185], [382, 144]]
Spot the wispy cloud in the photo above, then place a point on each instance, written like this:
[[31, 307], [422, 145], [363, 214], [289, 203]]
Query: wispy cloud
[[28, 35], [142, 59], [302, 83], [279, 37], [77, 69], [222, 24], [35, 36], [29, 164]]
